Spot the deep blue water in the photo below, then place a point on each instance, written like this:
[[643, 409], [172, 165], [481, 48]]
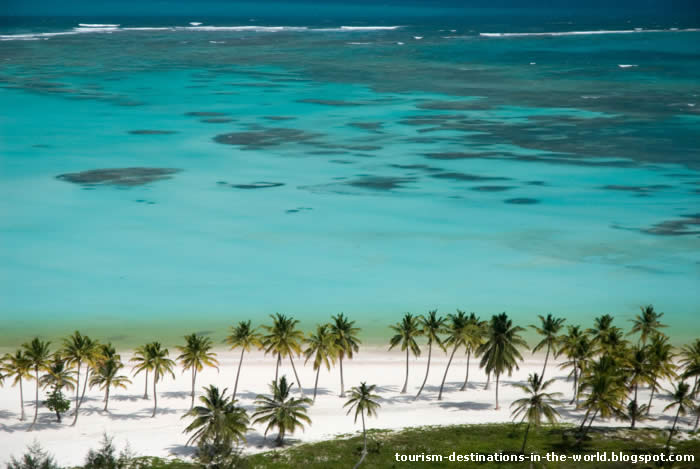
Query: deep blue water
[[359, 159]]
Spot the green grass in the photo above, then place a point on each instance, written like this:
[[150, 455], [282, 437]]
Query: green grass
[[465, 439]]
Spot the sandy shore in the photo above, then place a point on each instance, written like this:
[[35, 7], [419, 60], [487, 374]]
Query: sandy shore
[[129, 417]]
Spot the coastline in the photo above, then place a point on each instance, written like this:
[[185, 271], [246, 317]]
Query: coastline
[[129, 421]]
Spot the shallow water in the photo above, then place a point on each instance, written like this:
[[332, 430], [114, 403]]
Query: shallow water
[[315, 169]]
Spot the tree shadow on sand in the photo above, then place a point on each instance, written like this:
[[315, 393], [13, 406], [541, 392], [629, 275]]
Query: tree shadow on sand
[[455, 406]]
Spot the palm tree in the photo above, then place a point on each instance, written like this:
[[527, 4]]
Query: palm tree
[[680, 398], [284, 339], [536, 406], [281, 411], [195, 355], [79, 349], [245, 337], [660, 363], [106, 375], [474, 337], [346, 341], [362, 401], [690, 363], [457, 335], [141, 363], [601, 325], [576, 346], [646, 324], [612, 342], [636, 368], [406, 333], [431, 326], [219, 422], [18, 366], [38, 354], [500, 351], [604, 392], [635, 412], [549, 329], [58, 374], [322, 348], [160, 364]]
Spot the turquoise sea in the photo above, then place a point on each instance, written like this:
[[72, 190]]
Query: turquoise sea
[[162, 175]]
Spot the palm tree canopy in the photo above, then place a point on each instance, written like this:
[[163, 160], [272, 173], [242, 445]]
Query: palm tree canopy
[[322, 347], [106, 374], [646, 323], [16, 365], [141, 359], [80, 348], [406, 333], [690, 357], [283, 337], [244, 336], [538, 404], [58, 374], [457, 330], [549, 329], [158, 360], [217, 420], [661, 357], [345, 334], [38, 354], [681, 398], [362, 400], [604, 388], [281, 411], [431, 326], [197, 353], [500, 351], [600, 325]]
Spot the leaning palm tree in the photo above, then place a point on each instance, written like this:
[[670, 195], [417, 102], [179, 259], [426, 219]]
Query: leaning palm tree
[[17, 366], [431, 326], [474, 337], [321, 346], [660, 363], [690, 363], [680, 396], [647, 323], [576, 346], [195, 355], [142, 364], [536, 406], [604, 392], [457, 334], [160, 364], [38, 354], [405, 335], [80, 349], [106, 375], [284, 340], [246, 338], [500, 353], [362, 401], [549, 330], [281, 411], [346, 341], [219, 422]]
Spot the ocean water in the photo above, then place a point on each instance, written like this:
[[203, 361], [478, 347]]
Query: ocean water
[[159, 177]]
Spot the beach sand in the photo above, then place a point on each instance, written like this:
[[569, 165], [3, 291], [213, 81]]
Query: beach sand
[[129, 418]]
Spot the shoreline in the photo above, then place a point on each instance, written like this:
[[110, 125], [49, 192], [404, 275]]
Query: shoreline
[[129, 421]]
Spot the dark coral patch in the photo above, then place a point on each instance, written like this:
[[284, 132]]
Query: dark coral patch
[[468, 177], [677, 227], [370, 126], [638, 189], [461, 155], [522, 201], [217, 120], [453, 105], [152, 132], [265, 137], [329, 102], [380, 183], [492, 188], [421, 167], [279, 118], [258, 185], [205, 114], [119, 176]]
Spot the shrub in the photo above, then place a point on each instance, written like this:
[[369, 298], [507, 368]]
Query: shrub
[[34, 458], [106, 457]]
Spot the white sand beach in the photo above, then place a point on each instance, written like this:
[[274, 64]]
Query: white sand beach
[[129, 417]]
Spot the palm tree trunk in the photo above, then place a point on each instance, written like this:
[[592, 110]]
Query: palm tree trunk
[[36, 398], [277, 367], [106, 397], [466, 378], [280, 437], [653, 388], [301, 390], [155, 396], [590, 424], [498, 377], [194, 377], [342, 384], [364, 447], [488, 380], [318, 371], [527, 430], [444, 377], [575, 383], [77, 388], [546, 358], [427, 370], [145, 389], [238, 373], [585, 417], [673, 429], [80, 401], [633, 417], [697, 420], [21, 399], [405, 383]]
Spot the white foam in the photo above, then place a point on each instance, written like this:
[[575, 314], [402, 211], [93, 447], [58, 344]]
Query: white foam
[[358, 43], [244, 28], [533, 63], [367, 28], [194, 23], [146, 29], [400, 43], [584, 33], [627, 65], [92, 25], [417, 38]]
